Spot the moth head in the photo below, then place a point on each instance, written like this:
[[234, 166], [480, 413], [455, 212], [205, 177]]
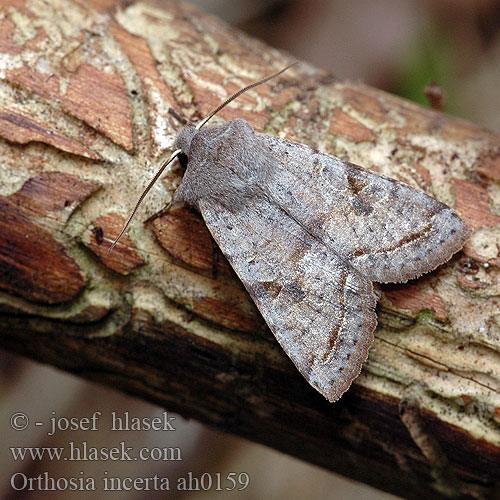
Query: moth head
[[184, 138], [182, 146]]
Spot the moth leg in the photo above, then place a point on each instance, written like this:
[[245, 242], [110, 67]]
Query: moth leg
[[178, 117], [161, 213], [215, 257]]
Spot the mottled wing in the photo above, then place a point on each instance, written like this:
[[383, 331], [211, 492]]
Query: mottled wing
[[320, 309], [388, 231]]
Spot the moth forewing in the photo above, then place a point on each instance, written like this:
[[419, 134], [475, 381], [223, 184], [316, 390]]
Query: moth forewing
[[321, 311], [385, 229]]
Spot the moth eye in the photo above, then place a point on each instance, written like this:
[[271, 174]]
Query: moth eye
[[183, 160]]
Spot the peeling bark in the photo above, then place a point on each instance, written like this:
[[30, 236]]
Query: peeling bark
[[84, 120]]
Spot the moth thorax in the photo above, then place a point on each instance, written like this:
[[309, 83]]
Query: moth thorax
[[184, 138]]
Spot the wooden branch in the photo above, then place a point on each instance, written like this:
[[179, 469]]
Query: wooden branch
[[84, 118]]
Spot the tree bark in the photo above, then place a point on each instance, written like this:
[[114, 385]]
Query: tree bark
[[84, 119]]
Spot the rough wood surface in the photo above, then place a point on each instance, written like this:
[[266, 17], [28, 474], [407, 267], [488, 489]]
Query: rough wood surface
[[84, 119]]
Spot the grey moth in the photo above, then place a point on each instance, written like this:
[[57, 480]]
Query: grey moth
[[308, 234]]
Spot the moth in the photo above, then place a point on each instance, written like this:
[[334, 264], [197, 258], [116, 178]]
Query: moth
[[308, 234]]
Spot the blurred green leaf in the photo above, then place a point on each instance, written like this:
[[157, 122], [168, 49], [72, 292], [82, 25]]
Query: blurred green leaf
[[431, 57]]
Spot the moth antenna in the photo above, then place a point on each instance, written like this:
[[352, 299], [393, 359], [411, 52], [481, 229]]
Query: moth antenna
[[165, 164], [237, 94]]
